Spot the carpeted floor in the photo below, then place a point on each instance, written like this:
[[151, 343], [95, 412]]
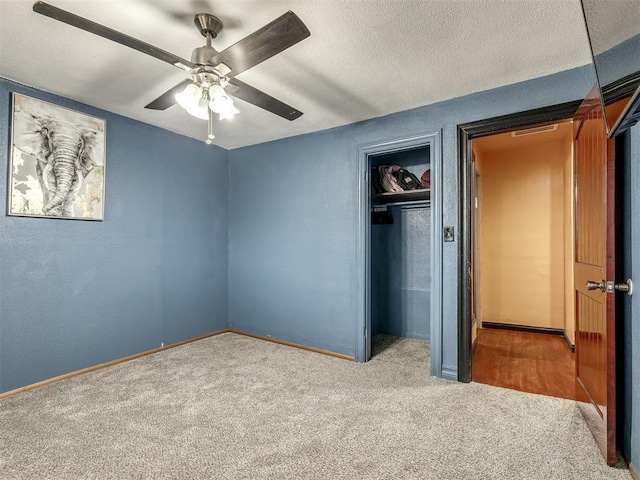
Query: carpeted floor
[[233, 407]]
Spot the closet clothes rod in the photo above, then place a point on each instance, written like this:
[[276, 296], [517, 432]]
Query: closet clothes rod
[[415, 204]]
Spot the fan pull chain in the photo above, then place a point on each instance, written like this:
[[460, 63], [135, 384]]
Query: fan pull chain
[[210, 135]]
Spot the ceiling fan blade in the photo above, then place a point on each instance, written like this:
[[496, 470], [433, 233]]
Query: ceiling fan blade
[[273, 38], [260, 99], [106, 32], [168, 98]]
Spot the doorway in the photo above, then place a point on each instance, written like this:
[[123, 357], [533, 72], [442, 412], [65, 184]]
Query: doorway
[[467, 132], [522, 260]]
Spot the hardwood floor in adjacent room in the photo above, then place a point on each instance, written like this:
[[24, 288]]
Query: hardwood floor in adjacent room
[[529, 362]]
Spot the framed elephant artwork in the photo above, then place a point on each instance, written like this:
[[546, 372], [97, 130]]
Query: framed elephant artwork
[[57, 161]]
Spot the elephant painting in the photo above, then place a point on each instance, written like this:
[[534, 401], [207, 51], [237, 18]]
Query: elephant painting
[[62, 148]]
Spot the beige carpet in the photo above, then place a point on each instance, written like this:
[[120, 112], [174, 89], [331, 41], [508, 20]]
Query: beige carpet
[[233, 407]]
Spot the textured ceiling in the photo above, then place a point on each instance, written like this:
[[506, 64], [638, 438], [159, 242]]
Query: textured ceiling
[[612, 22], [364, 59]]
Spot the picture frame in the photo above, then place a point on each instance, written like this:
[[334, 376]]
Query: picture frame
[[57, 161]]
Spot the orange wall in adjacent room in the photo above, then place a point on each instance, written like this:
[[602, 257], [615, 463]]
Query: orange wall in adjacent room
[[522, 234]]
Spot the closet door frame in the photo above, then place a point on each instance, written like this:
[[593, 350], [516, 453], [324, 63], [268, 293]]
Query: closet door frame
[[433, 140]]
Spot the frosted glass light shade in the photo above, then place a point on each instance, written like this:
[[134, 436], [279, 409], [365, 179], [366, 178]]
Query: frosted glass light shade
[[222, 104], [200, 109], [191, 99], [230, 112], [188, 98]]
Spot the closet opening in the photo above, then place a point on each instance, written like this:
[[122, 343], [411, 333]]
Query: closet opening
[[522, 244], [399, 248]]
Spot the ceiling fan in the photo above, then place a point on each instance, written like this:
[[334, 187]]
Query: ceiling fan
[[212, 73]]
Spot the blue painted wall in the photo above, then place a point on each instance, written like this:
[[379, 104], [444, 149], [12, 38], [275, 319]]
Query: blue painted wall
[[75, 293], [631, 330], [400, 273], [293, 212], [619, 61]]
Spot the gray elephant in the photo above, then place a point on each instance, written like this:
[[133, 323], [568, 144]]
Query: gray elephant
[[65, 155]]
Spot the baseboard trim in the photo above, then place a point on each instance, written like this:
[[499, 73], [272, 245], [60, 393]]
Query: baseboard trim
[[571, 345], [111, 363], [524, 328], [633, 472], [294, 345]]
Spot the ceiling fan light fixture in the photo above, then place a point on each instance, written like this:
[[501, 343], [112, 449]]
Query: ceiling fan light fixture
[[221, 103], [193, 100], [216, 90], [200, 110], [189, 97], [229, 112], [219, 99]]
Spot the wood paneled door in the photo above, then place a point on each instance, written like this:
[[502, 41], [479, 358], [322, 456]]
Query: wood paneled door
[[594, 162]]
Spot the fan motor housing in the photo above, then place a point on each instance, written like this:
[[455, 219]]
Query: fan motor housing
[[201, 55]]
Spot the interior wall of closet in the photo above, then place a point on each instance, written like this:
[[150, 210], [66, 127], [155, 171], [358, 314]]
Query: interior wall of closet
[[400, 253]]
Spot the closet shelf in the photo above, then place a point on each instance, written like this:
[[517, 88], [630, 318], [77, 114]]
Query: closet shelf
[[403, 197]]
